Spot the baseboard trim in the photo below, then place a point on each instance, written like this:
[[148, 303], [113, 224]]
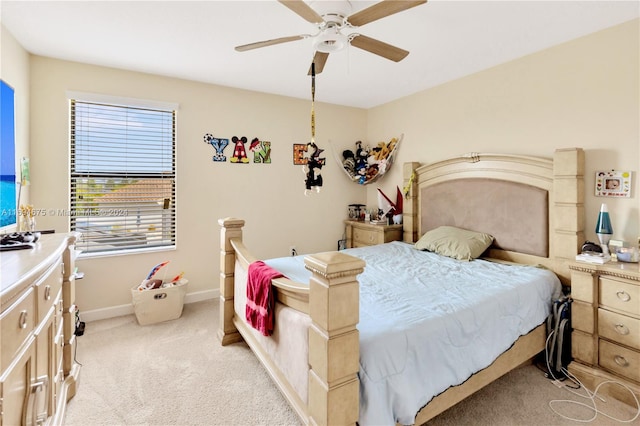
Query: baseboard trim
[[122, 310]]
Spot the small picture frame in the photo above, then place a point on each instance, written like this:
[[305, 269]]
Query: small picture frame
[[613, 183]]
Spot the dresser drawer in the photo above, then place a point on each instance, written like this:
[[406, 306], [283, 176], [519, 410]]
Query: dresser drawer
[[366, 237], [619, 360], [584, 347], [16, 324], [582, 316], [582, 286], [620, 295], [619, 328], [47, 288]]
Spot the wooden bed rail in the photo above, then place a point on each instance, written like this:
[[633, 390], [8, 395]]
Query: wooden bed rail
[[333, 306], [288, 292]]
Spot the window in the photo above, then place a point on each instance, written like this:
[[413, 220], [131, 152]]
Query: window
[[122, 176]]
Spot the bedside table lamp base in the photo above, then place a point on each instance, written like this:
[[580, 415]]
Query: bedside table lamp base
[[604, 228]]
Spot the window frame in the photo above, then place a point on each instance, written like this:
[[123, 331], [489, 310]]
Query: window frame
[[166, 241]]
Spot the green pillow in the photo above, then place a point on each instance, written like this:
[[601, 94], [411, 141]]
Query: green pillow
[[457, 243]]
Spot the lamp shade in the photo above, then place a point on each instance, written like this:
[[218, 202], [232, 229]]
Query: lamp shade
[[603, 226]]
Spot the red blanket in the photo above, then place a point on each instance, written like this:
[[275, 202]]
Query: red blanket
[[260, 302]]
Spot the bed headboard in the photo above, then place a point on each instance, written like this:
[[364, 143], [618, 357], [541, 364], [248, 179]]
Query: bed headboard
[[533, 207]]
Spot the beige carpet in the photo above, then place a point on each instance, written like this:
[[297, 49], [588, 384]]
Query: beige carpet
[[176, 373]]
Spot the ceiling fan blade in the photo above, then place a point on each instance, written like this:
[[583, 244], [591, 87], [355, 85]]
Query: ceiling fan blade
[[303, 10], [380, 10], [265, 43], [320, 58], [379, 48]]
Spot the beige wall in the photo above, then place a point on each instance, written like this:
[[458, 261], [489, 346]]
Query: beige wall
[[270, 197], [584, 93], [14, 70]]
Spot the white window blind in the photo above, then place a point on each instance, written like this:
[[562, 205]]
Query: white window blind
[[122, 176]]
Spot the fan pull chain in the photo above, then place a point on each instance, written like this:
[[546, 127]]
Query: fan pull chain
[[313, 96]]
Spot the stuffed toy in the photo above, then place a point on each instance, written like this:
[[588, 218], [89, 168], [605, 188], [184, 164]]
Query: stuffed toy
[[383, 150], [361, 158], [312, 169], [349, 162]]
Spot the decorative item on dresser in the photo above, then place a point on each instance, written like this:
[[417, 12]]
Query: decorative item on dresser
[[606, 326], [604, 228], [38, 373], [360, 234]]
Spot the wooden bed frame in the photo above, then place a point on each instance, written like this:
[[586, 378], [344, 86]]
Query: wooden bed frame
[[331, 297]]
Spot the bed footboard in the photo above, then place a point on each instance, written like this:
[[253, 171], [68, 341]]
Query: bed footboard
[[333, 306]]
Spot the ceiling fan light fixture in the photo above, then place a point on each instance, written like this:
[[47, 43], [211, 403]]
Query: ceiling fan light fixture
[[330, 41]]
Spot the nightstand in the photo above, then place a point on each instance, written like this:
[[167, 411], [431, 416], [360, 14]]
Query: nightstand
[[605, 316], [361, 234]]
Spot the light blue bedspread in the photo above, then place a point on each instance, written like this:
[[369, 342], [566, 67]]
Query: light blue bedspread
[[428, 322]]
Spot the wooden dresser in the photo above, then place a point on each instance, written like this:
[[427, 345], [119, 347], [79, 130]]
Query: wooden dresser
[[360, 234], [38, 374], [605, 316]]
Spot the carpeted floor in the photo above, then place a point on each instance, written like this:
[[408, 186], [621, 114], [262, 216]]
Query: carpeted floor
[[176, 373]]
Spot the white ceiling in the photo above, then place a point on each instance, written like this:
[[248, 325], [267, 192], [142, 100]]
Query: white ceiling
[[195, 40]]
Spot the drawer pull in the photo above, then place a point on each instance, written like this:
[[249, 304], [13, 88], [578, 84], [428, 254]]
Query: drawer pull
[[621, 361], [621, 329], [623, 295], [22, 321], [47, 292]]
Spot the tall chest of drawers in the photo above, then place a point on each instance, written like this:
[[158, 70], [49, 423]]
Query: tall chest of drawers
[[38, 374], [605, 316]]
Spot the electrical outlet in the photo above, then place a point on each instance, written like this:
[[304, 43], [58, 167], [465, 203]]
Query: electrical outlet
[[293, 251]]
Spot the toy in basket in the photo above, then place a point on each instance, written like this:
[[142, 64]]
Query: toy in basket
[[156, 300]]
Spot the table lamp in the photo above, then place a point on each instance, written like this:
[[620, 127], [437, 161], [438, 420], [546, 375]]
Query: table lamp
[[604, 228]]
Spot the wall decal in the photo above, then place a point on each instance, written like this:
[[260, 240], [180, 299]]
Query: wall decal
[[261, 151], [239, 152], [298, 154], [219, 145]]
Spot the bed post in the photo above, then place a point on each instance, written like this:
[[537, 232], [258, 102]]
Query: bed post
[[410, 203], [333, 338], [568, 208], [231, 228]]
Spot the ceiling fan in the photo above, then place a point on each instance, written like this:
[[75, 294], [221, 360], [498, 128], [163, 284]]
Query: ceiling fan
[[333, 20]]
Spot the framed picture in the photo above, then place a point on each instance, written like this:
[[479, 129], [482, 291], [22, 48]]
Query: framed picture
[[613, 183]]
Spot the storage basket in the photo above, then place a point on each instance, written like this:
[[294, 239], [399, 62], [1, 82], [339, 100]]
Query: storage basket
[[158, 305]]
